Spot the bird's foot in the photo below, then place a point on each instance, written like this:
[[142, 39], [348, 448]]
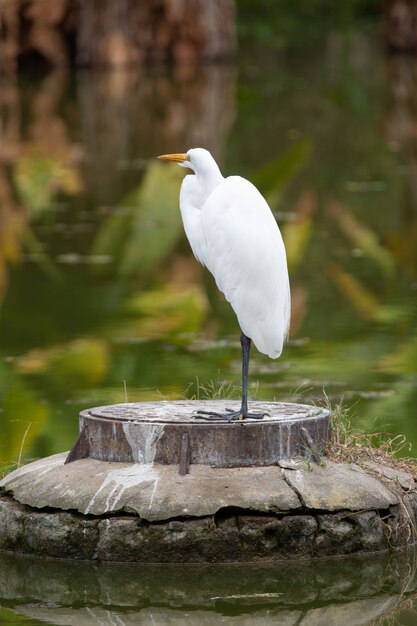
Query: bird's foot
[[230, 415]]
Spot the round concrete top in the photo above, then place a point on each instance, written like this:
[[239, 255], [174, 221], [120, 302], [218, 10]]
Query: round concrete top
[[173, 433], [185, 412]]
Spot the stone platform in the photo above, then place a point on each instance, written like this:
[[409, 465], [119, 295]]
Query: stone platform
[[95, 510], [149, 512]]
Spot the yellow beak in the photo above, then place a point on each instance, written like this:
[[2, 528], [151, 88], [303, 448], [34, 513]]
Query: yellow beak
[[177, 158]]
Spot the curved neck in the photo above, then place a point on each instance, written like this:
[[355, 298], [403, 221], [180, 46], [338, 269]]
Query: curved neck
[[209, 177]]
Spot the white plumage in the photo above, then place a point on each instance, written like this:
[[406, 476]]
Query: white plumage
[[233, 233]]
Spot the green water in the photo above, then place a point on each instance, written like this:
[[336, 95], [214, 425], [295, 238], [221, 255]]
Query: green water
[[101, 299], [327, 593]]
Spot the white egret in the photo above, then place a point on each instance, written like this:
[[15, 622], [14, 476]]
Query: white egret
[[233, 233]]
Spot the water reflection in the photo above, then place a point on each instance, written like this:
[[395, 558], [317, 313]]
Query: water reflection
[[128, 117], [327, 592], [98, 287]]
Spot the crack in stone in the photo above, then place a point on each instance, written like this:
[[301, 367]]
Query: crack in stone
[[295, 490]]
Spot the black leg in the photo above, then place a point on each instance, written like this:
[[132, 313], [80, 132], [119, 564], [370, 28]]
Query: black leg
[[245, 342], [231, 415]]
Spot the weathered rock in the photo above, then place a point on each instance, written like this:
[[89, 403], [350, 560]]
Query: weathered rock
[[392, 474], [148, 513], [337, 486], [155, 492], [237, 537], [343, 533], [54, 534]]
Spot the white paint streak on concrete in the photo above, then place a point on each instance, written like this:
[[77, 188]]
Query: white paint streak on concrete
[[289, 440], [117, 481], [155, 485], [143, 440], [52, 466]]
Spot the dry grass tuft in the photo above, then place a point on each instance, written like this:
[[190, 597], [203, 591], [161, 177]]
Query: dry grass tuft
[[352, 445]]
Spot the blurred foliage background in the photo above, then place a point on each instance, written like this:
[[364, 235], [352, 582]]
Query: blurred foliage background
[[100, 297]]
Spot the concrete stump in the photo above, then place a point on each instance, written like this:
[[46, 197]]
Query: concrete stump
[[162, 432], [149, 483]]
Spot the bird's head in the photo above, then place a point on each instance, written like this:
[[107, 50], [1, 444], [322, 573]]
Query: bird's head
[[198, 160]]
